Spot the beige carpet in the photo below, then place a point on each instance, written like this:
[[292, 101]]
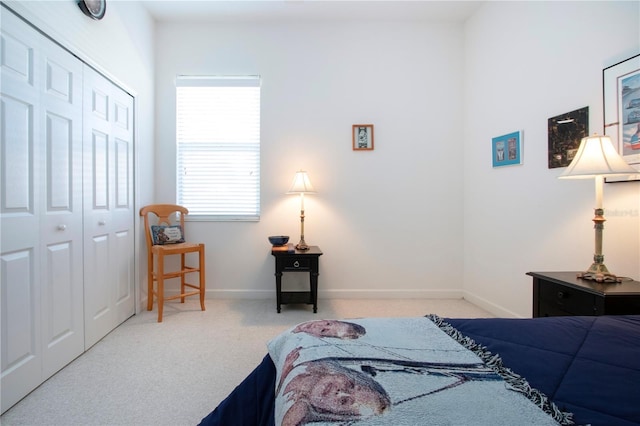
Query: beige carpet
[[174, 373]]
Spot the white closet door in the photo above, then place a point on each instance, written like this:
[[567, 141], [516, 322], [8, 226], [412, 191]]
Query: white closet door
[[20, 216], [41, 209], [108, 206], [123, 218], [61, 216]]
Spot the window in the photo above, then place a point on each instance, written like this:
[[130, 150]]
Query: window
[[218, 147]]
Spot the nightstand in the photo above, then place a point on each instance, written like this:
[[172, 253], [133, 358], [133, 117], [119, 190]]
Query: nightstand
[[298, 261], [563, 294]]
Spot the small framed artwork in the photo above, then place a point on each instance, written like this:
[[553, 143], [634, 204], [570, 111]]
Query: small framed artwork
[[362, 137], [565, 134], [621, 97], [507, 149]]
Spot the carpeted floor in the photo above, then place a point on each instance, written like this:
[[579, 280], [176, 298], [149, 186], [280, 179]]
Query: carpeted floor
[[174, 373]]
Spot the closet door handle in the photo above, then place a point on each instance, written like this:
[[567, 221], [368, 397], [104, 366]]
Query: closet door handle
[[102, 222], [62, 227]]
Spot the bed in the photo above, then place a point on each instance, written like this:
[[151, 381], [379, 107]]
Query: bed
[[575, 370]]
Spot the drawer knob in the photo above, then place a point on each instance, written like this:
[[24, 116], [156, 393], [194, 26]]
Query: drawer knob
[[561, 295], [296, 264]]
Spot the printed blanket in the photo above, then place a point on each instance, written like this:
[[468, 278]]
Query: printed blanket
[[398, 371]]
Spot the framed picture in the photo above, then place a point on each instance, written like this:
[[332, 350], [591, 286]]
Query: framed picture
[[507, 149], [621, 107], [565, 133], [362, 136]]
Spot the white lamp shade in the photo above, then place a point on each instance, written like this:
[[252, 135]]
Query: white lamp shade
[[596, 156], [301, 184]]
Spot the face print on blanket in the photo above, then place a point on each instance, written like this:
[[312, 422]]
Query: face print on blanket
[[327, 391], [381, 371], [331, 328]]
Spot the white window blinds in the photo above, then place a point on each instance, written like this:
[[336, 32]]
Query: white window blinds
[[218, 147]]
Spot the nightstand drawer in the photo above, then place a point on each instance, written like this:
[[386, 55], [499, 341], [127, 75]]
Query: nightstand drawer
[[296, 263], [557, 299]]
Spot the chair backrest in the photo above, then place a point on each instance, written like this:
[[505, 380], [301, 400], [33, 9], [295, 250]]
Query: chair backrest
[[164, 213]]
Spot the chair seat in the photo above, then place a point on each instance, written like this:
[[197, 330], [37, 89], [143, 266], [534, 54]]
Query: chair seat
[[176, 248]]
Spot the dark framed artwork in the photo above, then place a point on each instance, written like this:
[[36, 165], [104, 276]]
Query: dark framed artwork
[[621, 107], [362, 137], [506, 150], [565, 133]]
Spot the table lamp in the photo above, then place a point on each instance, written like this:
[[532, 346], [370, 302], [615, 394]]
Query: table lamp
[[597, 158], [301, 185]]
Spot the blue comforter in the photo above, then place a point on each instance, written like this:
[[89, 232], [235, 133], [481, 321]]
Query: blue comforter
[[589, 366]]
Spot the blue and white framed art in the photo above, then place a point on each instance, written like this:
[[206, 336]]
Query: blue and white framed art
[[506, 150], [621, 96]]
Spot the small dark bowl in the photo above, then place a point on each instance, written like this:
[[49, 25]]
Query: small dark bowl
[[279, 240]]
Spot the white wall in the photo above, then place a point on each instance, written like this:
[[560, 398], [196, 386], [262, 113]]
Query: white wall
[[396, 221], [524, 63], [389, 221], [120, 46]]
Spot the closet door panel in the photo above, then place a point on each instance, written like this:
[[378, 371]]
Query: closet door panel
[[19, 135], [99, 314], [20, 173], [21, 345], [18, 320], [62, 330], [62, 215], [109, 243], [123, 212], [99, 184], [124, 294]]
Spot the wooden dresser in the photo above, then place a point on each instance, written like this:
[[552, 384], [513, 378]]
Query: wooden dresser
[[563, 294]]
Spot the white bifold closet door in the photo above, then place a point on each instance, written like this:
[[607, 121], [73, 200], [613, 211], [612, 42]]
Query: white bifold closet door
[[66, 207], [108, 206], [41, 208]]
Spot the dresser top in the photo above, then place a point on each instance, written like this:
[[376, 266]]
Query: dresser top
[[570, 278]]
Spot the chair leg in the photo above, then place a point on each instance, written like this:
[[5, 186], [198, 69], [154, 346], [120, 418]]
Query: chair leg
[[160, 275], [150, 282], [183, 278], [202, 280]]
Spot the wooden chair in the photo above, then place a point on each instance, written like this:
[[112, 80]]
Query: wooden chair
[[160, 248]]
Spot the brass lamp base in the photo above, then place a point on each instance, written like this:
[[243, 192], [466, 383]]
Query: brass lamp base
[[598, 272], [302, 245]]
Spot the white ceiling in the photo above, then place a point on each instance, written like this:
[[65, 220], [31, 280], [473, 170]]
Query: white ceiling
[[310, 10]]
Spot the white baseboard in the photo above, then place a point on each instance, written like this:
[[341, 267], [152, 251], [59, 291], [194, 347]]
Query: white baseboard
[[342, 294], [496, 310], [390, 294], [241, 294]]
